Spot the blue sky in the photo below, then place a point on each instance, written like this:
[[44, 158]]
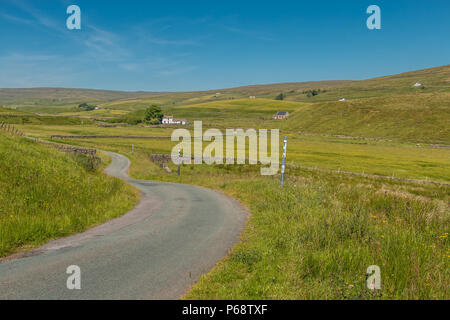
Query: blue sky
[[198, 45]]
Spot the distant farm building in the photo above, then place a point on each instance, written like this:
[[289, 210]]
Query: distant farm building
[[281, 115], [343, 99], [167, 120], [417, 84], [180, 121], [171, 120], [252, 97]]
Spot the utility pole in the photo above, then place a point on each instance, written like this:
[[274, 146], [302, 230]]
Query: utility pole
[[179, 162], [283, 163]]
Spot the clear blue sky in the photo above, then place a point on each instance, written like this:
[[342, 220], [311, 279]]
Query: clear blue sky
[[195, 45]]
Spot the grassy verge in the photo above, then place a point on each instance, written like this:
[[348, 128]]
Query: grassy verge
[[315, 238], [45, 194]]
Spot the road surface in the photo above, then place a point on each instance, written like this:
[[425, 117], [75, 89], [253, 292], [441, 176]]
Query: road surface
[[155, 251]]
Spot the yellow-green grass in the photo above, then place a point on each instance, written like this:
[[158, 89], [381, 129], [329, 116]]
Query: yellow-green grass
[[361, 156], [45, 194], [222, 113], [48, 100], [315, 238], [45, 131], [413, 117], [247, 113], [14, 116], [386, 107], [102, 112]]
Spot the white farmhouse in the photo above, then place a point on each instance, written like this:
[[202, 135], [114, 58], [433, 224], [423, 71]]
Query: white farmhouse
[[171, 120], [417, 84], [167, 120]]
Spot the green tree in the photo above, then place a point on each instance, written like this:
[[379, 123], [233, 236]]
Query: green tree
[[153, 114], [86, 107], [280, 97]]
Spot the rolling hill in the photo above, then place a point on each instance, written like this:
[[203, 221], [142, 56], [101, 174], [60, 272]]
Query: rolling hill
[[384, 107]]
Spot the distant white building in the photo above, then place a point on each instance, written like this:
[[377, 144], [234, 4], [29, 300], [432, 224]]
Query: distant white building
[[171, 120], [252, 97], [343, 99], [417, 84], [167, 120]]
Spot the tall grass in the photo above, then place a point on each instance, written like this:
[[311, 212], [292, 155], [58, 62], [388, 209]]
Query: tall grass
[[45, 194], [315, 238]]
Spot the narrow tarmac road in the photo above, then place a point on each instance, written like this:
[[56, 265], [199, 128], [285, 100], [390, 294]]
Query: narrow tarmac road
[[155, 251]]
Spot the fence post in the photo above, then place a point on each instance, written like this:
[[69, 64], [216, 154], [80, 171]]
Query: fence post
[[283, 163]]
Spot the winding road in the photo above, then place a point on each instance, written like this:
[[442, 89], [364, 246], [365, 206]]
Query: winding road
[[155, 251]]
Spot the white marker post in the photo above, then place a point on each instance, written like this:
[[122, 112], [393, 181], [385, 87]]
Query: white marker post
[[179, 162], [283, 163]]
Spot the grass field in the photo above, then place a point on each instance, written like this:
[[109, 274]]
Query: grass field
[[314, 238], [46, 194], [435, 80], [14, 116], [418, 117], [356, 155], [386, 107]]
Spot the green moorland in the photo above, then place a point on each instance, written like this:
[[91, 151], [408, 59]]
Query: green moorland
[[13, 116], [418, 117], [316, 236], [45, 194], [383, 158], [48, 100]]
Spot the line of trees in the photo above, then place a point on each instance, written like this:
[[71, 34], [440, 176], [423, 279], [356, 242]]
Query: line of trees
[[313, 92], [86, 107]]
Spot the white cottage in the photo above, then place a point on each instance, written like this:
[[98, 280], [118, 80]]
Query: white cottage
[[167, 120]]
